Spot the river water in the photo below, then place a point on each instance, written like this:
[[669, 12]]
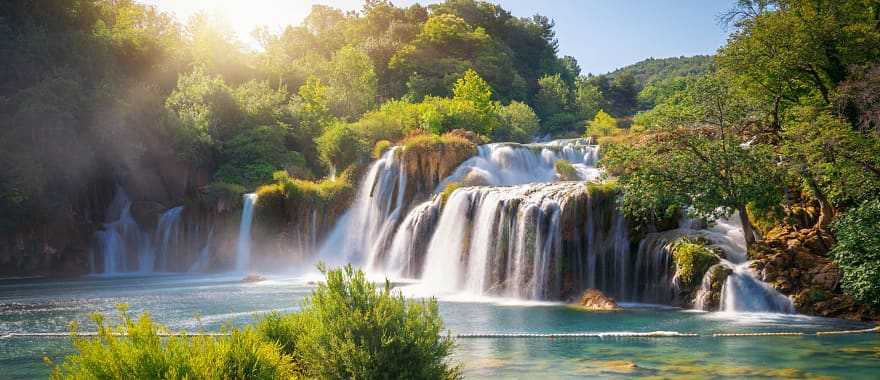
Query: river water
[[207, 302]]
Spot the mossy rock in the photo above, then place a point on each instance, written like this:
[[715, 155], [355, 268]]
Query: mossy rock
[[692, 259], [566, 171]]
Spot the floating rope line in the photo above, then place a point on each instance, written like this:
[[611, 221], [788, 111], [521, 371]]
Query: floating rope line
[[652, 334]]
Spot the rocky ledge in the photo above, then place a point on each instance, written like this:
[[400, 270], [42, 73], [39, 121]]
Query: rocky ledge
[[796, 263]]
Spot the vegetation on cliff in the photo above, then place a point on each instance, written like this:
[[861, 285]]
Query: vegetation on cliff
[[348, 328], [858, 251]]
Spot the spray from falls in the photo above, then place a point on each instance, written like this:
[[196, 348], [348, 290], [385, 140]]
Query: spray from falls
[[243, 247]]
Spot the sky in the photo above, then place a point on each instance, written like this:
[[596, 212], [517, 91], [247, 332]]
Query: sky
[[602, 35]]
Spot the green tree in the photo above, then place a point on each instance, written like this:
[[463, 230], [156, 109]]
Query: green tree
[[602, 125], [699, 157], [518, 123], [351, 83]]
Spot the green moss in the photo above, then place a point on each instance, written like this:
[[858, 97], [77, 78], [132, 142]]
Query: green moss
[[448, 190], [380, 148], [566, 171], [607, 188], [692, 259]]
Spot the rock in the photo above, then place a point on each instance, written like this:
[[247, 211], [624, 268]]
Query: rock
[[595, 300], [253, 277], [795, 262]]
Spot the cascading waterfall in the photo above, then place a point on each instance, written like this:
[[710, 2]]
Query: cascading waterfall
[[506, 164], [122, 240], [204, 260], [517, 232], [742, 291], [243, 247], [366, 229], [169, 236], [500, 241]]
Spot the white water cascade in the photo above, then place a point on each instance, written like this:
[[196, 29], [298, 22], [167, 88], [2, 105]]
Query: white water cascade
[[367, 227], [122, 245], [169, 237], [505, 164], [243, 247], [742, 291], [516, 231]]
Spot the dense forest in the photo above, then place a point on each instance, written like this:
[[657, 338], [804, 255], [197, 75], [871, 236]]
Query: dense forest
[[102, 91], [781, 125]]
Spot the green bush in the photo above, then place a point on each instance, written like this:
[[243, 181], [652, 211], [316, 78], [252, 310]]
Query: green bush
[[380, 148], [143, 353], [692, 260], [348, 329], [858, 251], [340, 146], [351, 329]]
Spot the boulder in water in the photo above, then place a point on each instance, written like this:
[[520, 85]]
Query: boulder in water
[[253, 277], [595, 300]]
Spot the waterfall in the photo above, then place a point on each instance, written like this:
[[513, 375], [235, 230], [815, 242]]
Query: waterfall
[[169, 237], [243, 248], [505, 164], [527, 241], [742, 291], [365, 230], [203, 262], [122, 240]]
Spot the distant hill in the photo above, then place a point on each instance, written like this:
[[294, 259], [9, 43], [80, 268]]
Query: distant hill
[[654, 70]]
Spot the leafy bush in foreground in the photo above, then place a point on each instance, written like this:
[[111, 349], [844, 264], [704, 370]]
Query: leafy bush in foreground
[[348, 329], [145, 354]]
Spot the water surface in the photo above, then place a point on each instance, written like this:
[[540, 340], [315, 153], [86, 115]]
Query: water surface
[[211, 301]]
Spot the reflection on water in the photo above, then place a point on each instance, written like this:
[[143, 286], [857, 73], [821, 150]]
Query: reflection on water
[[208, 302]]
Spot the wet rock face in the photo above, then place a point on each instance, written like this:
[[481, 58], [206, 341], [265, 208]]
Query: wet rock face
[[796, 263], [709, 299], [595, 300]]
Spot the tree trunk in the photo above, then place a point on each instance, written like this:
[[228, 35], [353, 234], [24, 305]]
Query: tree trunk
[[748, 230], [826, 212]]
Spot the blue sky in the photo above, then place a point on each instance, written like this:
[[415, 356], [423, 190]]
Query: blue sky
[[602, 34]]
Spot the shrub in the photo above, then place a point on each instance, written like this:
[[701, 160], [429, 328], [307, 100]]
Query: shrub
[[143, 353], [692, 260], [448, 190], [858, 251], [340, 146], [566, 171], [351, 329], [380, 148]]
